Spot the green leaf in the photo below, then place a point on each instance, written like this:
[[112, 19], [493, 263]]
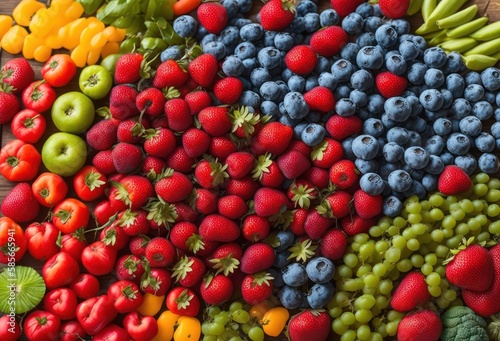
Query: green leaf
[[90, 6]]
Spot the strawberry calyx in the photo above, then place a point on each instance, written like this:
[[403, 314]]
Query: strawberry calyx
[[494, 328], [463, 245], [127, 218], [261, 278], [284, 218], [208, 279], [302, 195], [110, 236], [184, 300], [226, 265], [104, 112], [92, 180], [131, 265], [195, 243], [245, 120], [129, 292], [288, 5], [301, 251], [171, 92], [318, 151], [262, 165], [161, 212], [182, 268], [324, 209], [121, 193], [218, 173], [149, 281]]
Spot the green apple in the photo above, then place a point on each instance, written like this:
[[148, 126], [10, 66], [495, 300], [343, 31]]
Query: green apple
[[95, 81], [109, 62], [73, 112], [64, 153]]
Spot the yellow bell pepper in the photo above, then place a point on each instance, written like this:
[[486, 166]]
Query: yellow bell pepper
[[188, 329], [257, 311], [5, 24], [274, 321], [13, 40], [166, 324], [26, 9], [151, 304]]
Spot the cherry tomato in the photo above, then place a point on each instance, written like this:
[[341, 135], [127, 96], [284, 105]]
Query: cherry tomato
[[19, 161], [73, 244], [98, 258], [9, 328], [42, 240], [12, 241], [61, 302], [41, 325], [49, 189], [60, 270], [89, 183], [140, 328], [70, 215], [39, 96], [59, 70], [71, 331], [183, 301], [85, 286], [112, 333], [126, 296], [28, 126]]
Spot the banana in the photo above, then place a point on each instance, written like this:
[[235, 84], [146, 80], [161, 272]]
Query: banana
[[444, 9], [427, 28], [431, 35], [415, 6], [487, 48], [427, 7], [438, 39], [488, 32], [479, 62], [459, 45], [467, 29], [459, 18]]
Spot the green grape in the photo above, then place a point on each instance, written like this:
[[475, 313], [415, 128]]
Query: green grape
[[371, 280], [376, 231], [385, 220], [216, 328], [424, 249], [399, 242], [205, 328], [349, 335], [235, 306], [363, 315], [393, 315], [256, 334], [456, 302], [388, 265], [417, 260], [399, 222], [413, 198], [213, 311], [385, 287], [381, 302], [413, 244], [449, 295], [355, 246], [363, 332], [222, 318], [393, 254], [392, 230], [493, 195], [462, 229], [366, 250], [363, 270], [394, 274], [364, 302], [452, 199], [436, 214], [474, 225], [240, 316], [361, 238], [442, 303], [483, 237], [382, 329], [441, 251], [431, 259], [426, 269], [441, 271], [494, 183], [458, 214], [245, 327], [369, 291], [426, 217], [436, 200], [425, 239], [344, 271], [335, 312], [437, 235], [404, 265], [466, 205], [341, 299], [454, 241], [482, 219], [381, 245], [480, 190], [354, 284], [478, 205], [494, 227], [347, 318], [235, 338], [376, 336], [379, 269], [392, 328], [233, 326], [351, 260], [448, 222], [481, 178], [408, 234], [426, 205], [447, 233], [414, 218], [433, 279], [209, 338], [434, 291], [376, 321]]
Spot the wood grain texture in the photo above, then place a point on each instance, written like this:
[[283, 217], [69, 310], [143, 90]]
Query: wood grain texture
[[6, 7]]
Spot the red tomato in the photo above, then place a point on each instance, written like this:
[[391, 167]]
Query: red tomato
[[49, 189], [98, 258], [71, 331], [12, 241], [114, 236], [41, 325], [39, 96], [9, 328], [28, 126], [19, 161], [112, 333], [61, 302], [85, 286], [70, 215], [89, 183], [126, 296], [42, 240], [60, 270], [95, 313], [59, 70], [183, 301], [141, 328], [103, 211], [74, 244]]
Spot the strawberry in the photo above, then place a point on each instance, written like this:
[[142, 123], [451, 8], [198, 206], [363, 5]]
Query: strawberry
[[195, 142], [355, 224], [309, 325], [300, 146], [318, 220], [9, 106], [132, 191], [122, 100], [133, 223], [210, 174], [203, 69], [394, 9], [410, 293], [239, 164], [151, 101], [345, 7], [274, 137], [215, 120], [257, 257], [244, 187], [20, 204], [130, 130], [178, 114], [222, 146], [471, 268], [485, 303], [326, 153], [215, 227], [184, 212], [453, 180], [329, 41], [333, 244], [169, 74], [180, 161], [129, 68], [257, 288], [301, 192], [159, 252], [246, 122], [137, 245], [212, 16], [205, 201], [301, 59], [216, 289], [255, 228], [319, 177], [422, 324], [343, 174], [173, 186], [320, 98], [389, 84], [156, 281], [103, 161], [198, 100], [232, 206], [228, 89], [293, 164], [126, 157], [270, 201], [340, 127], [159, 142], [275, 15], [129, 267], [188, 271], [297, 224], [226, 258], [17, 73], [102, 135], [367, 206], [340, 203], [184, 236], [152, 166]]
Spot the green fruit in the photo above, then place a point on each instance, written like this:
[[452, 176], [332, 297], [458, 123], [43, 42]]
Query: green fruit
[[64, 153], [73, 112], [21, 289]]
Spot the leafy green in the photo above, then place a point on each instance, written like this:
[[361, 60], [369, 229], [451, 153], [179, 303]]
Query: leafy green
[[90, 6], [460, 323]]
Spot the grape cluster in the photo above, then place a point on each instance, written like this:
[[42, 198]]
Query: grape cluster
[[420, 238]]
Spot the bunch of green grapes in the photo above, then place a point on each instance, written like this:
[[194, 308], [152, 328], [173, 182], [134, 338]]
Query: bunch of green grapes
[[234, 324], [420, 238]]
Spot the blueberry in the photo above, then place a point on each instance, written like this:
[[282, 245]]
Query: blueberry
[[372, 183], [421, 43], [373, 127], [447, 157], [453, 63], [347, 148], [434, 57], [495, 130], [370, 57], [314, 117], [434, 78], [362, 80], [458, 144], [431, 99], [288, 121], [290, 298], [460, 108], [416, 73], [473, 92], [488, 163], [470, 125], [283, 41], [385, 168], [342, 91], [231, 6], [417, 189], [245, 50], [229, 36], [414, 139], [269, 57], [251, 32], [442, 126], [496, 114], [295, 105], [281, 259], [366, 39], [435, 165], [172, 52], [215, 48], [392, 152], [365, 166], [416, 157], [313, 134], [320, 294], [467, 162], [342, 70], [399, 180], [269, 91], [396, 64], [349, 52], [294, 274], [429, 182], [353, 23], [185, 26], [250, 99], [298, 129], [489, 97], [345, 107], [306, 6], [372, 23], [278, 278], [447, 98], [320, 270], [365, 147], [398, 135], [387, 122], [482, 110], [296, 83], [397, 109], [484, 142], [491, 78], [401, 26], [259, 76], [365, 10], [456, 84], [239, 22], [329, 17], [408, 49], [311, 22], [392, 206], [472, 77], [375, 104], [386, 35], [269, 108]]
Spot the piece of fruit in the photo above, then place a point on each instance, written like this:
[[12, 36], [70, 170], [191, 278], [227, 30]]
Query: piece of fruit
[[28, 288]]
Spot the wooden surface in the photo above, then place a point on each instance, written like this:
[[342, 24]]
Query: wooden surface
[[6, 7]]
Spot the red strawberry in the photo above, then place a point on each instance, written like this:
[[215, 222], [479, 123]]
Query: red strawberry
[[152, 166], [215, 227], [137, 245], [133, 223], [257, 288], [188, 271], [216, 289], [320, 98], [228, 89], [226, 258], [184, 236], [299, 218], [205, 201], [122, 102], [422, 324], [301, 192], [198, 100], [394, 9], [345, 7], [178, 114], [301, 59], [173, 186], [246, 122], [20, 204], [232, 206], [215, 120], [453, 180], [367, 206], [274, 137], [129, 68], [130, 130], [300, 146], [389, 84], [180, 161], [203, 69], [410, 293], [319, 177], [102, 135], [169, 74], [18, 73], [329, 41], [157, 281], [210, 174], [326, 153], [222, 146], [132, 191], [318, 220], [471, 268], [212, 16], [270, 201], [340, 203], [160, 252], [239, 164], [126, 157], [343, 174], [129, 267], [333, 244], [184, 212], [293, 164], [244, 187], [151, 101], [355, 224], [195, 142], [255, 228], [103, 161], [309, 325], [9, 106], [340, 127], [257, 257], [159, 142], [275, 15]]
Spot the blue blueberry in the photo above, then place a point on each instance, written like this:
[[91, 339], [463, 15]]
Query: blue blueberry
[[473, 92], [347, 148], [173, 52], [399, 180], [491, 78], [229, 36], [269, 57], [431, 99], [269, 91], [215, 48], [386, 35], [398, 135], [372, 23], [259, 76], [482, 110], [416, 157], [484, 142], [295, 105], [298, 129], [313, 134], [290, 297], [366, 39], [239, 22], [366, 166], [311, 82], [447, 98], [320, 270], [385, 168], [314, 117], [365, 10], [250, 99], [414, 139], [458, 144], [397, 109], [408, 49], [373, 127], [416, 189], [470, 125], [495, 130], [370, 57], [456, 84], [311, 22], [392, 206], [434, 78], [353, 23], [185, 26], [365, 147], [281, 259], [345, 107], [269, 108], [488, 163], [231, 6], [401, 26], [306, 6], [416, 73], [283, 41], [342, 70], [372, 183], [245, 50], [392, 152], [362, 80], [375, 104], [435, 165], [489, 97], [232, 66], [296, 83], [496, 114], [329, 17], [294, 274], [460, 108], [320, 294], [278, 277], [467, 162], [453, 63], [251, 32], [442, 126], [342, 91], [429, 182], [288, 121], [434, 57], [396, 64], [349, 52], [473, 77]]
